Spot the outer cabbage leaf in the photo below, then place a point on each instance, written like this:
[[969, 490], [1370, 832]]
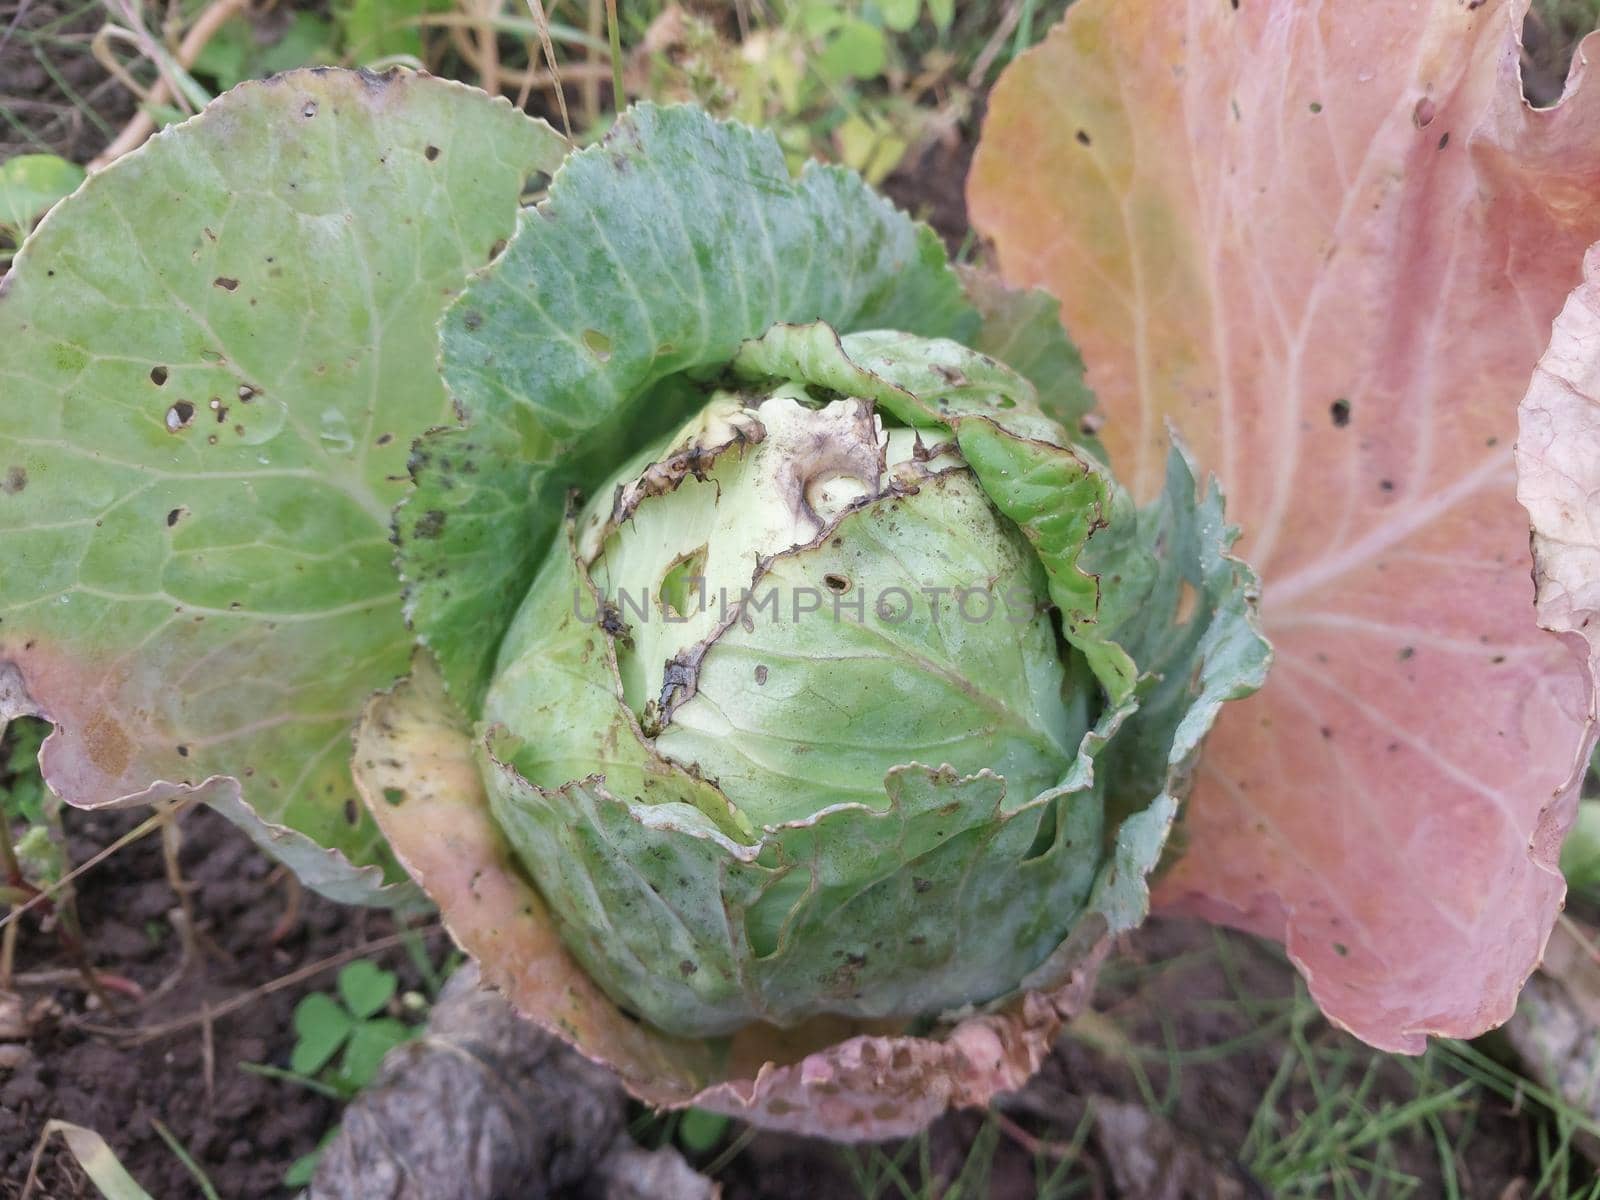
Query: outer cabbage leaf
[[214, 358], [932, 889], [1558, 468], [656, 252], [1022, 328], [1117, 576], [932, 895], [1325, 244]]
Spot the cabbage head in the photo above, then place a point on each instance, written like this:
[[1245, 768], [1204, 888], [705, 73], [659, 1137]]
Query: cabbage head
[[816, 661]]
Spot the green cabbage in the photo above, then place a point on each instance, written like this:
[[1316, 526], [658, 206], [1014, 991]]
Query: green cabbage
[[838, 675]]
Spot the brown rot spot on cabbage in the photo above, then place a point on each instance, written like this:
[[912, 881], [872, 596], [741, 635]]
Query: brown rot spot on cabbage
[[177, 514], [431, 154], [352, 811], [226, 283], [1188, 602], [16, 479], [158, 376], [308, 109], [1339, 411], [107, 745], [180, 416], [611, 621], [836, 583], [761, 675]]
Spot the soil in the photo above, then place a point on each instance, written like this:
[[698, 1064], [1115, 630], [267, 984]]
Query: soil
[[931, 184], [1180, 987], [242, 1128], [1168, 987], [1174, 988], [55, 97]]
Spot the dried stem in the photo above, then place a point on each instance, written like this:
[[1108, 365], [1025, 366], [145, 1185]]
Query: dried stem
[[991, 49], [14, 881], [213, 18], [488, 61], [42, 895], [293, 893], [150, 1033], [619, 96], [536, 7], [591, 85]]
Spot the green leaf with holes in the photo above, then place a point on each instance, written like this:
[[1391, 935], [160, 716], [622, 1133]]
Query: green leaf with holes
[[214, 358]]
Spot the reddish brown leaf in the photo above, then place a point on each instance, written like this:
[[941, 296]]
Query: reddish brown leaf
[[1326, 243]]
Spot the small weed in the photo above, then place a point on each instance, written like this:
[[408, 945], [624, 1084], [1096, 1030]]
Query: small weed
[[181, 1153], [303, 1168], [1550, 35], [341, 1037], [22, 790], [347, 1028], [700, 1132], [40, 848], [907, 1171]]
